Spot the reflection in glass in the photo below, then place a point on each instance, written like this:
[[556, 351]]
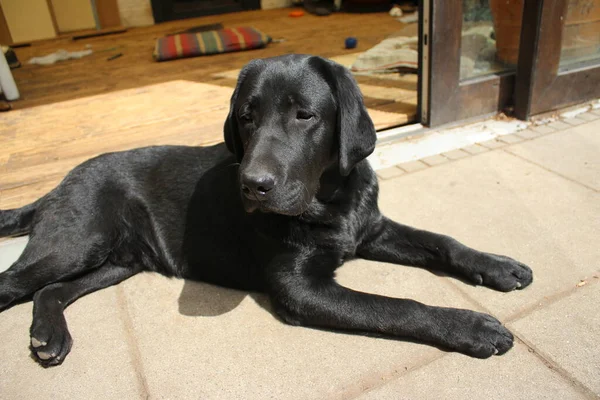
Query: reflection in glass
[[581, 32], [490, 36]]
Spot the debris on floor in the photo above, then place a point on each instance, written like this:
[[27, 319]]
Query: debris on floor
[[396, 11], [60, 55], [350, 42], [389, 55], [114, 56], [398, 52], [409, 18]]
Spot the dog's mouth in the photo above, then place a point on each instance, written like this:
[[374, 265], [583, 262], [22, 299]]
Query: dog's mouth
[[251, 206], [294, 203]]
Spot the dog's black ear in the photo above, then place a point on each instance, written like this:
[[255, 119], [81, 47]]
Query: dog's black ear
[[355, 129], [233, 141]]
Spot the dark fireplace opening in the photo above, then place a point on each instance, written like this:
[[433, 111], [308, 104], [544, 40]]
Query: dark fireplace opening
[[169, 10]]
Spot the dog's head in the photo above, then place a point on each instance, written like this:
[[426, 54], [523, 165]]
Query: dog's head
[[292, 118]]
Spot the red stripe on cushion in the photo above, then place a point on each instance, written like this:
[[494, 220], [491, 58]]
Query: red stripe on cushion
[[250, 37], [188, 47], [171, 48], [233, 43]]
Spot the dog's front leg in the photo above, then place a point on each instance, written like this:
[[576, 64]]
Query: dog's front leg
[[392, 242], [303, 292]]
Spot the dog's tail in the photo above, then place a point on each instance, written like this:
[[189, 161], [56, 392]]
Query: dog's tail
[[17, 221]]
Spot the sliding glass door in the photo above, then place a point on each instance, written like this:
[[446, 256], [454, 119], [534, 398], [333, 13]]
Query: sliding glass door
[[559, 58]]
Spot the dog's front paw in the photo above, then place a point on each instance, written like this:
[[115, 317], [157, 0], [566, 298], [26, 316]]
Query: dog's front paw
[[50, 340], [478, 335], [500, 272]]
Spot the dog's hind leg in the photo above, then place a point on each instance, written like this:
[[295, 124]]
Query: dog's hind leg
[[50, 338], [50, 257], [17, 221]]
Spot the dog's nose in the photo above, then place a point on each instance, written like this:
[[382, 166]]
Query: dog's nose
[[257, 186]]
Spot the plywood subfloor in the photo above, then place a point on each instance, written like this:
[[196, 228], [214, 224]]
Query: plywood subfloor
[[40, 145], [74, 110], [93, 75]]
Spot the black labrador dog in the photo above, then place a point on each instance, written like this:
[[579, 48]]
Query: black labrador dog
[[277, 209]]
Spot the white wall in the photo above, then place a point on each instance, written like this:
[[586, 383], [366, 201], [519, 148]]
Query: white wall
[[270, 4], [73, 15], [28, 19], [135, 12]]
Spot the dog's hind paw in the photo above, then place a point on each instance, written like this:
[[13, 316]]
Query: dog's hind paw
[[50, 343]]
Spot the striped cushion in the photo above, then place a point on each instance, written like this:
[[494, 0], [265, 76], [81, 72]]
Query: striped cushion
[[211, 42]]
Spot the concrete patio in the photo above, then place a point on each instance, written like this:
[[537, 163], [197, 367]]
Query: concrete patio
[[534, 196]]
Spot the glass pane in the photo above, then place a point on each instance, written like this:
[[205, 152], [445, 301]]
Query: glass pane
[[490, 36], [581, 32]]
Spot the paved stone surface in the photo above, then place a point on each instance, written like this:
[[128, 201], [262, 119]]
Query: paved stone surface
[[389, 173], [475, 149], [543, 129], [567, 332], [588, 116], [559, 125], [575, 121], [412, 166], [538, 201], [435, 160], [219, 343], [492, 144], [456, 154], [574, 153], [516, 375], [99, 366], [10, 250], [500, 203], [510, 139], [529, 134]]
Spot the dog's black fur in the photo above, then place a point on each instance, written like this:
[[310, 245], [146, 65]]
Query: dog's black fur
[[294, 202]]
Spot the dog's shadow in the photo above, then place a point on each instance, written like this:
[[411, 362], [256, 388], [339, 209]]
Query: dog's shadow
[[198, 299]]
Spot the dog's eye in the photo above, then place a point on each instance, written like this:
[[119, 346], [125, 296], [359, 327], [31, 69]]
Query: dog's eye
[[304, 115], [247, 117]]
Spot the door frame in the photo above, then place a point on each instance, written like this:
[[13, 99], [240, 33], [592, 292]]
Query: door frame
[[445, 97], [542, 85]]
